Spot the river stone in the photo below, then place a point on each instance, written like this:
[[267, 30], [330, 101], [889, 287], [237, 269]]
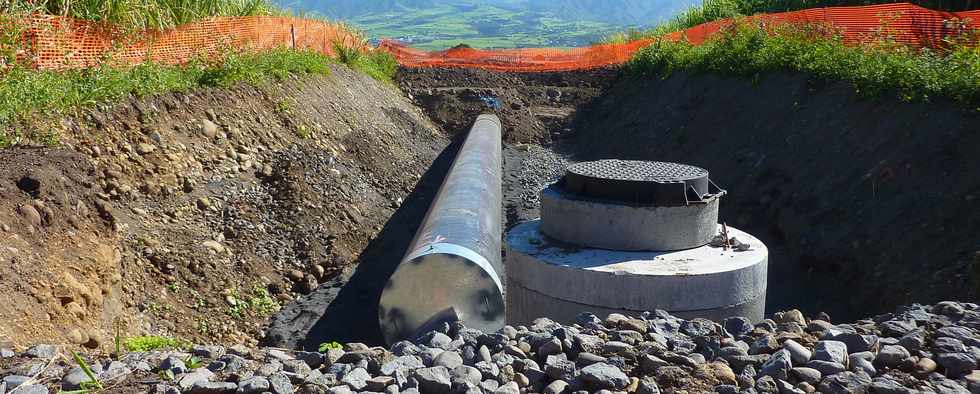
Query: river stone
[[205, 387], [448, 359], [356, 378], [833, 351], [826, 368], [254, 385], [798, 353], [892, 355], [605, 376], [466, 374], [957, 364], [845, 383], [778, 365], [434, 380], [805, 374]]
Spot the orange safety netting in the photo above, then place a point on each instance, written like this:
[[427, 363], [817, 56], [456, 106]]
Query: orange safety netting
[[53, 42], [901, 22]]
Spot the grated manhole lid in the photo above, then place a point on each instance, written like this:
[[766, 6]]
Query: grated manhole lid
[[638, 182]]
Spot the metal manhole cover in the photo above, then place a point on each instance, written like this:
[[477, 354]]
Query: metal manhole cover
[[640, 182]]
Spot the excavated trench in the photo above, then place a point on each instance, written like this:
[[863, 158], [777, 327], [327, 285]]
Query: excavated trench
[[864, 203]]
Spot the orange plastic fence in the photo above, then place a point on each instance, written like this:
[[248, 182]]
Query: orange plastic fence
[[53, 42], [901, 22]]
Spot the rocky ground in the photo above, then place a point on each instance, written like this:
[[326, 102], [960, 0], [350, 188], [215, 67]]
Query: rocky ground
[[916, 349]]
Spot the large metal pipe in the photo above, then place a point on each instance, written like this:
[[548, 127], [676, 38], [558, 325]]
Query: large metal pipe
[[452, 270]]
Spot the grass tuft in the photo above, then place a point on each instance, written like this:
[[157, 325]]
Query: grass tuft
[[136, 15], [749, 50], [151, 343]]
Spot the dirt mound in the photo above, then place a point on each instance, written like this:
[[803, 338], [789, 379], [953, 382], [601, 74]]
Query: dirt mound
[[866, 204], [534, 107], [59, 256], [216, 206]]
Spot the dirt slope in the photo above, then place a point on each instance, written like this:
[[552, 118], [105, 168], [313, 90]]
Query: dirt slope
[[197, 214], [866, 204]]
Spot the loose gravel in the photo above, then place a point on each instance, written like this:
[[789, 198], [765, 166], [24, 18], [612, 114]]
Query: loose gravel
[[916, 349]]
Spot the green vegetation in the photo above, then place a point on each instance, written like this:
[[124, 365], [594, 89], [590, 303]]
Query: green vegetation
[[748, 50], [712, 10], [92, 384], [134, 15], [329, 345], [259, 302], [193, 362], [27, 92], [151, 343]]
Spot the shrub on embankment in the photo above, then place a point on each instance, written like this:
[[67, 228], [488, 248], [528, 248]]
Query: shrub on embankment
[[135, 15], [744, 49]]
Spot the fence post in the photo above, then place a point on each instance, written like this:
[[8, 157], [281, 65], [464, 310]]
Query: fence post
[[292, 32]]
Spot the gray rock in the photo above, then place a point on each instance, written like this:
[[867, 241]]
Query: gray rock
[[766, 384], [173, 364], [74, 379], [312, 359], [845, 383], [764, 345], [726, 389], [437, 339], [14, 381], [205, 387], [884, 385], [509, 388], [31, 389], [833, 351], [448, 359], [615, 347], [897, 327], [737, 326], [41, 351], [488, 370], [209, 352], [557, 387], [740, 362], [356, 379], [115, 370], [6, 353], [489, 386], [558, 367], [957, 364], [858, 343], [778, 365], [232, 363], [913, 340], [648, 385], [805, 374], [605, 376], [464, 374], [552, 346], [826, 368], [280, 384], [787, 388], [187, 380], [948, 345], [254, 385], [892, 355], [433, 380], [585, 359], [379, 383], [861, 364], [3, 387], [798, 353], [298, 367], [340, 390], [401, 362], [269, 368]]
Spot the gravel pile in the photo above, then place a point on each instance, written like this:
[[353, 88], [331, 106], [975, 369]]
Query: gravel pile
[[918, 348]]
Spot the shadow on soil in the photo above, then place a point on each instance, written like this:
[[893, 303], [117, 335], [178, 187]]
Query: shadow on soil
[[350, 313]]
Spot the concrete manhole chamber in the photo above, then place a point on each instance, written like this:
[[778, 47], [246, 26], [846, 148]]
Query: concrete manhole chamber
[[632, 236]]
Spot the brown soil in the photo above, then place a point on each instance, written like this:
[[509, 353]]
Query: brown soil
[[166, 215]]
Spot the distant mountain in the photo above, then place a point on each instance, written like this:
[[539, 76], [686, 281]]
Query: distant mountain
[[620, 12], [437, 24]]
